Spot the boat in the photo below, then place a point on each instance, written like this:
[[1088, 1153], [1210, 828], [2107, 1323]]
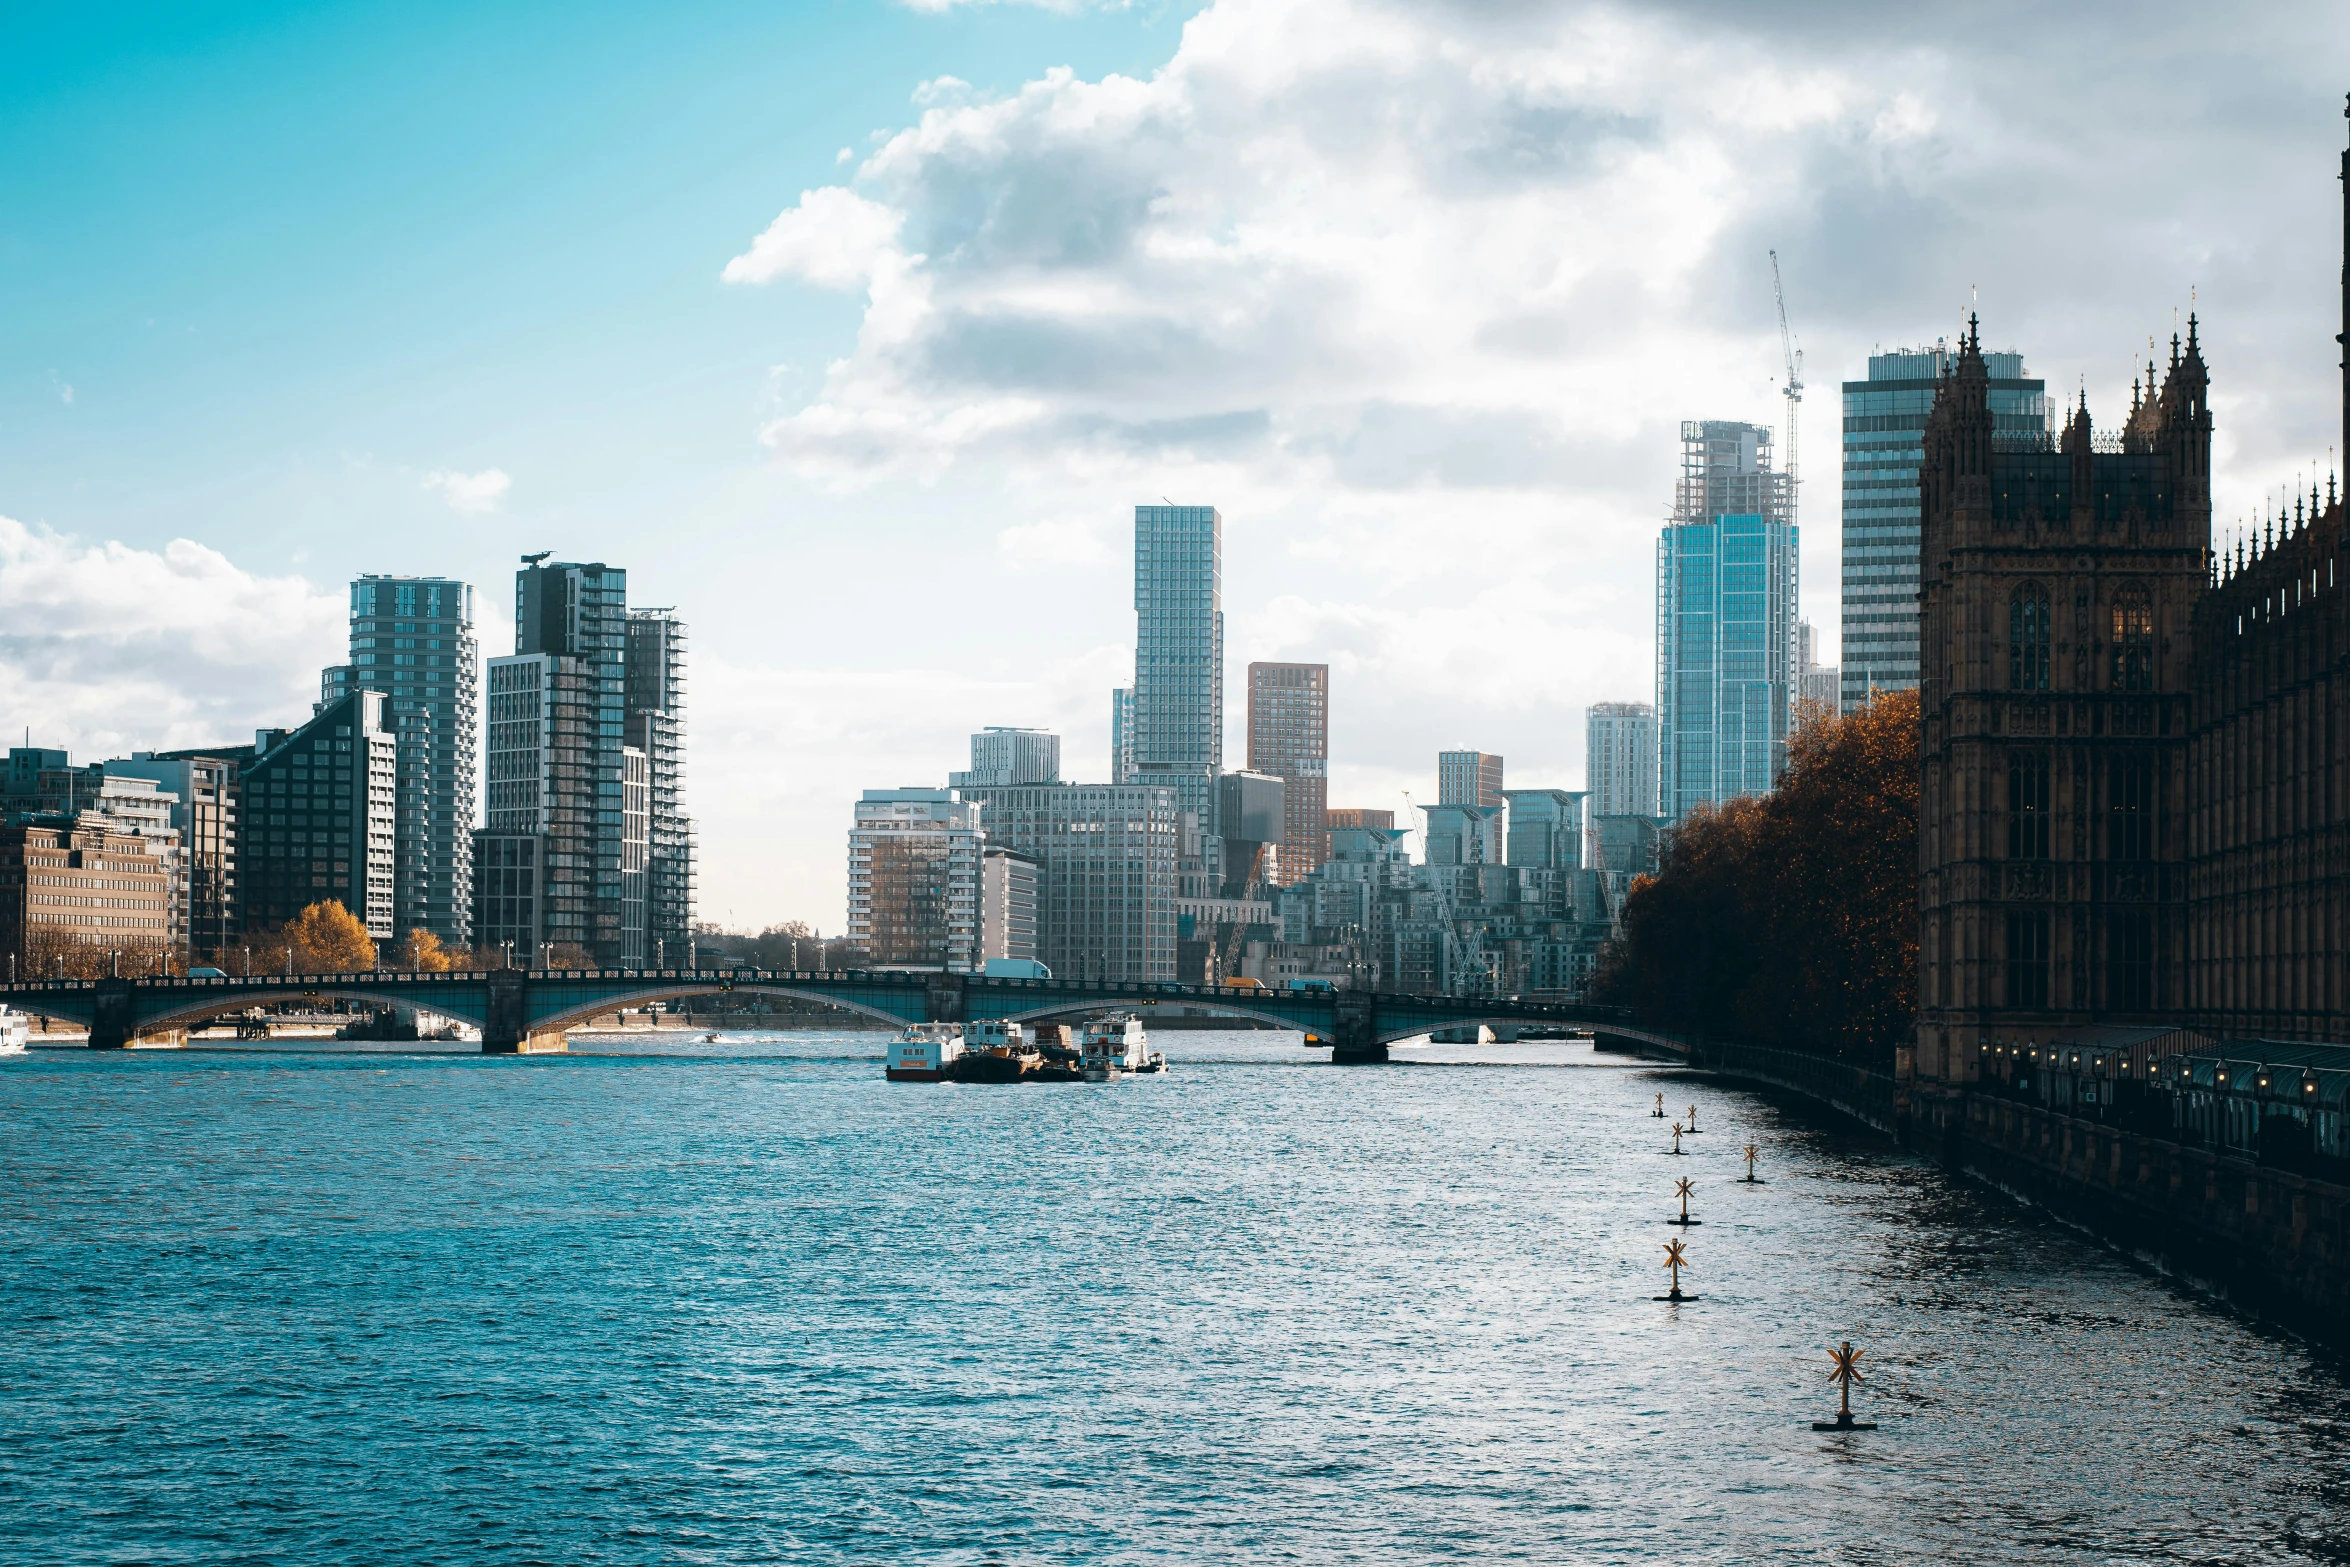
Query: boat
[[1114, 1045], [994, 1053], [15, 1029], [923, 1052]]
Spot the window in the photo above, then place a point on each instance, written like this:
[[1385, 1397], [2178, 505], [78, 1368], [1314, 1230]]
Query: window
[[2027, 959], [2027, 640], [2129, 955], [2133, 641], [2027, 805], [2130, 809]]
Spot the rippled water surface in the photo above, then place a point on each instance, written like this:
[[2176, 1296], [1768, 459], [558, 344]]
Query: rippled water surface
[[755, 1304]]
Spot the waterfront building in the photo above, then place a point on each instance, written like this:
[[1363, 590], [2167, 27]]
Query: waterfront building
[[77, 888], [125, 799], [413, 639], [656, 726], [1289, 738], [1620, 758], [1107, 885], [204, 793], [1468, 778], [1884, 433], [1347, 817], [1178, 727], [1001, 758], [556, 732], [1122, 735], [1725, 620], [1545, 828], [914, 880], [1008, 894], [319, 815]]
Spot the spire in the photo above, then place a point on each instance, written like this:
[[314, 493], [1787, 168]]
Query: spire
[[2174, 350], [2193, 352]]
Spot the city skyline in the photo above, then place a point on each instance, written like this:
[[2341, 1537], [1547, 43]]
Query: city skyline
[[324, 476]]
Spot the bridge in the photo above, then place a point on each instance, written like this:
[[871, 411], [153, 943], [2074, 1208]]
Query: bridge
[[522, 1012]]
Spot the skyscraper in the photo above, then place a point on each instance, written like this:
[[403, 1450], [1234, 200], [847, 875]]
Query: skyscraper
[[558, 770], [320, 815], [1619, 757], [1122, 735], [656, 726], [1289, 737], [412, 638], [1726, 580], [1884, 435], [1179, 653], [1545, 828], [1468, 778], [1002, 757], [1106, 888]]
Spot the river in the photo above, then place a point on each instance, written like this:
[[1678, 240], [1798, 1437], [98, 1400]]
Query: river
[[747, 1303]]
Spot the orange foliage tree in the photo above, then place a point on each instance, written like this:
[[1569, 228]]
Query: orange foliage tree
[[1790, 919], [324, 938]]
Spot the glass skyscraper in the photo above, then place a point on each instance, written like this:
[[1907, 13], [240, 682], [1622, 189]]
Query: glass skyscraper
[[1178, 727], [1726, 580], [1884, 432]]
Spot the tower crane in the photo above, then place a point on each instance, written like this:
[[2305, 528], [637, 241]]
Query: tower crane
[[1793, 390]]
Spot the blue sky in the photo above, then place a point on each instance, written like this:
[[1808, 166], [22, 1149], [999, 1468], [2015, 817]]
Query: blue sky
[[855, 331]]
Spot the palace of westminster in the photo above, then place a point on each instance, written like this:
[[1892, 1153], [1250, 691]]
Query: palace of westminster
[[2135, 791]]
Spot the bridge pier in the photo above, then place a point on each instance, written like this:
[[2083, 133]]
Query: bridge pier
[[944, 999], [505, 1028], [1354, 1040]]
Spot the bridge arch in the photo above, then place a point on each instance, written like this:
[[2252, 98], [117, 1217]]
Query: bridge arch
[[572, 1017], [1388, 1035], [1142, 1007], [202, 1007]]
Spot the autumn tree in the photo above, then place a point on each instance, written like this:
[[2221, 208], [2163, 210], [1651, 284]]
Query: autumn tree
[[1789, 919], [324, 938]]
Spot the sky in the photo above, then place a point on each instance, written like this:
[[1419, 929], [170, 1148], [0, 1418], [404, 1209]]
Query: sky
[[856, 329]]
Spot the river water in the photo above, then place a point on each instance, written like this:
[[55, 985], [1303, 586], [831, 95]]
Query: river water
[[749, 1303]]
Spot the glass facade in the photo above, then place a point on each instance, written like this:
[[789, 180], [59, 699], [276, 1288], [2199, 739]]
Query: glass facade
[[1178, 725], [319, 817], [1727, 579], [1884, 435], [656, 726]]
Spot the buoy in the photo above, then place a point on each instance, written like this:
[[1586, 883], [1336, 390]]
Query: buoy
[[1675, 1261], [1676, 1137], [1846, 1372], [1749, 1177], [1660, 1107], [1682, 1188]]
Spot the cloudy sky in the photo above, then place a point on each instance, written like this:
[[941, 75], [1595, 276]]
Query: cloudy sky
[[855, 330]]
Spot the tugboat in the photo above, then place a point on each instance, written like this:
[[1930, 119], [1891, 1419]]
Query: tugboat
[[15, 1029], [1056, 1054], [993, 1053], [1114, 1045], [924, 1051]]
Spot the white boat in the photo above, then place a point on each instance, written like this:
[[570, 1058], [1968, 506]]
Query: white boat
[[1113, 1046], [923, 1052], [15, 1029]]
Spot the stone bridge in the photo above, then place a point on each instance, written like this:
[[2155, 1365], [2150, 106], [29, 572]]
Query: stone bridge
[[523, 1011]]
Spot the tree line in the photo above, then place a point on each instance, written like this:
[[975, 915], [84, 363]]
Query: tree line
[[1789, 919]]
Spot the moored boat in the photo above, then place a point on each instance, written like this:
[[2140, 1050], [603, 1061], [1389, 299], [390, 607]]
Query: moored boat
[[994, 1053], [1114, 1045], [15, 1029], [923, 1052]]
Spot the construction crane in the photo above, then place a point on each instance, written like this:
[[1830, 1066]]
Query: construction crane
[[1793, 390]]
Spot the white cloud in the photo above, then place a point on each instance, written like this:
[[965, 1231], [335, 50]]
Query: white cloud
[[469, 492], [59, 385], [105, 648], [1062, 541], [834, 238]]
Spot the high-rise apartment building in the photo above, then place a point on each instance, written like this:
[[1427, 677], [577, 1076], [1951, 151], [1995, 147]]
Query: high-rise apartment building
[[413, 639], [1108, 857], [1008, 883], [319, 815], [1464, 834], [1545, 828], [557, 769], [1468, 778], [656, 726], [1726, 595], [1003, 757], [1179, 653], [1619, 758], [1289, 738], [1340, 818], [1884, 441], [1122, 735], [914, 880], [204, 814]]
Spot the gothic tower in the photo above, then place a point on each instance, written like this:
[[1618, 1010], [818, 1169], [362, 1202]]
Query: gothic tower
[[2057, 581]]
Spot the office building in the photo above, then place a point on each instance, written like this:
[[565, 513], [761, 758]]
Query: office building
[[1122, 735], [1884, 436], [82, 896], [1468, 778], [914, 880], [127, 800], [557, 730], [319, 815], [1545, 828], [205, 796], [1352, 817], [1178, 729], [1726, 620], [1107, 855], [413, 640], [1289, 738], [1619, 758], [1253, 810], [1466, 834], [1001, 758], [1008, 882], [656, 726]]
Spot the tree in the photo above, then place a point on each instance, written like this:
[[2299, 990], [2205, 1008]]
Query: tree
[[324, 938], [1791, 919], [421, 953]]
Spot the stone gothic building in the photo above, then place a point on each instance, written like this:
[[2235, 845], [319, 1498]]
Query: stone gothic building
[[2135, 756]]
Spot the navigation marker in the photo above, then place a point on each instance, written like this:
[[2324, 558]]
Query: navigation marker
[[1675, 1261], [1847, 1372], [1682, 1188]]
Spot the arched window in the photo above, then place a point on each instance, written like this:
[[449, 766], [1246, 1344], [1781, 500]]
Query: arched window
[[2027, 640], [2133, 641]]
